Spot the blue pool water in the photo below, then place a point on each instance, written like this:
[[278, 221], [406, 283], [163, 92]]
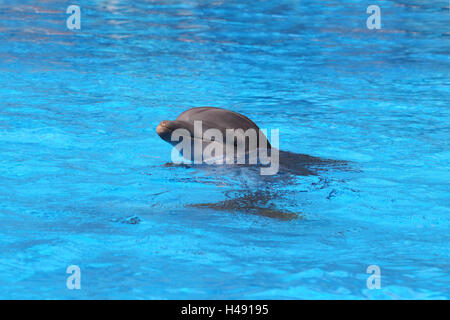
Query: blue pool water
[[83, 174]]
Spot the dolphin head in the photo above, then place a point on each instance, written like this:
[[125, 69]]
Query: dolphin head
[[215, 135], [166, 128], [210, 118]]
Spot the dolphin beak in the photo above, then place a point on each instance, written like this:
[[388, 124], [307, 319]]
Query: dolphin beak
[[164, 131], [166, 128]]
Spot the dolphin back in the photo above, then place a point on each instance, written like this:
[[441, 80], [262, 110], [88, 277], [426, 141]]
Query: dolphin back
[[220, 119]]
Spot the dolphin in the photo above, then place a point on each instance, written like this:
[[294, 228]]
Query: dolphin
[[221, 120]]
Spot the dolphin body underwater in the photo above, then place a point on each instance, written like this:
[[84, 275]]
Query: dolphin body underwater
[[222, 120]]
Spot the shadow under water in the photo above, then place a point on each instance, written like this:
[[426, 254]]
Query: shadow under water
[[257, 194], [252, 202]]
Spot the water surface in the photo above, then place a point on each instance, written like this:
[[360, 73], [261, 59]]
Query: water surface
[[83, 175]]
